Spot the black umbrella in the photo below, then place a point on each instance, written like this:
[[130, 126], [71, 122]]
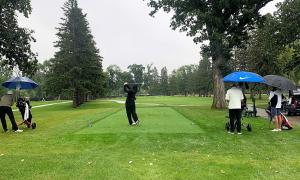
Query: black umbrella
[[280, 82]]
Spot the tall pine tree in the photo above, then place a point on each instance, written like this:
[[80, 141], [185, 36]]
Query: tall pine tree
[[77, 66], [164, 81]]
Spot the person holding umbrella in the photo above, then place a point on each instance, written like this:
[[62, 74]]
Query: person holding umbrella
[[278, 82], [275, 99], [5, 108], [235, 96]]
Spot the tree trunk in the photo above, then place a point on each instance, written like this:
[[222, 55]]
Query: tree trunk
[[219, 90], [216, 50], [260, 97], [76, 100]]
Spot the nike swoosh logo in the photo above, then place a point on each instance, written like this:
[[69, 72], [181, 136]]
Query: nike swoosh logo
[[241, 78]]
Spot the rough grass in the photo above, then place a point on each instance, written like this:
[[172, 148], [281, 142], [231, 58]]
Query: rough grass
[[64, 146]]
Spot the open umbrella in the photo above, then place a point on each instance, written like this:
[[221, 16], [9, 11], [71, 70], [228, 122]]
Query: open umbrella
[[20, 83], [280, 82], [244, 76]]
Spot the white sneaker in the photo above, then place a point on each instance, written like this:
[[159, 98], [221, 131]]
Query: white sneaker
[[18, 131], [133, 124], [278, 129], [239, 133], [275, 130]]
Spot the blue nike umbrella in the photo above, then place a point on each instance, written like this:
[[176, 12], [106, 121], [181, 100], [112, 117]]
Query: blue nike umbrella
[[20, 83], [244, 76]]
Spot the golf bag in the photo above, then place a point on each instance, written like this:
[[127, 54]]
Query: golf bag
[[286, 125], [24, 108]]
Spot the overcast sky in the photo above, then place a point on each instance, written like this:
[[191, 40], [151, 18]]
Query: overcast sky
[[123, 30]]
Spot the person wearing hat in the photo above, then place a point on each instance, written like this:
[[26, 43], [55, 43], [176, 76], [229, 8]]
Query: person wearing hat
[[5, 108]]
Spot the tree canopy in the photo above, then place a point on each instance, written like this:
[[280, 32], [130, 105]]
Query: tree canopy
[[225, 23], [15, 48]]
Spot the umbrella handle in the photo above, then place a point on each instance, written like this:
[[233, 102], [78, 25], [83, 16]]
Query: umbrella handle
[[18, 86]]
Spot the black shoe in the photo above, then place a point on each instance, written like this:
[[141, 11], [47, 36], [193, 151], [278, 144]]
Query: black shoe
[[33, 126]]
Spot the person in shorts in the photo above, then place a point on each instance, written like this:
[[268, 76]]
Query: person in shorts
[[275, 99]]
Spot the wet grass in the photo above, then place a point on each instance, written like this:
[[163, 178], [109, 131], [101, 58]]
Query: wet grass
[[173, 142]]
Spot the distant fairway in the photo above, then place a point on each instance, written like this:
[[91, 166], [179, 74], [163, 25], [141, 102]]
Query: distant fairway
[[153, 120]]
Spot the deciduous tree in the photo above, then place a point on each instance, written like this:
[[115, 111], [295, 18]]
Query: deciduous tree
[[15, 48], [225, 23]]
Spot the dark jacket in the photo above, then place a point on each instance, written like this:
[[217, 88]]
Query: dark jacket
[[273, 101], [131, 91]]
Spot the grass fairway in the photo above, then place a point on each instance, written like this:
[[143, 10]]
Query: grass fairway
[[173, 142], [153, 121]]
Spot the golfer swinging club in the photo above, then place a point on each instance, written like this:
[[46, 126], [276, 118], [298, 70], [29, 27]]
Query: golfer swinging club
[[130, 103]]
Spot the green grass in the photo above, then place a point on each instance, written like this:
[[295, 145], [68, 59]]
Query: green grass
[[173, 142], [153, 121]]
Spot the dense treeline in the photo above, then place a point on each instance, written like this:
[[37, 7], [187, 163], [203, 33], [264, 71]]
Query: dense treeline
[[186, 80]]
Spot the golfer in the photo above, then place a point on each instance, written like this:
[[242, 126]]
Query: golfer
[[130, 103], [5, 108], [234, 96]]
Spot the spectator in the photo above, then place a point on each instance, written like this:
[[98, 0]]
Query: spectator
[[5, 108], [234, 96]]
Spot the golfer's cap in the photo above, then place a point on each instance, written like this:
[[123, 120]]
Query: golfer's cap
[[9, 92]]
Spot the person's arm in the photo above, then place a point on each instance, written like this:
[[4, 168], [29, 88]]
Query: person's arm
[[11, 100], [126, 87], [227, 96], [135, 88]]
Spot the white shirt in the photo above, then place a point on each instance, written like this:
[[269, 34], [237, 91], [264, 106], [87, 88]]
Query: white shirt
[[234, 95], [279, 97]]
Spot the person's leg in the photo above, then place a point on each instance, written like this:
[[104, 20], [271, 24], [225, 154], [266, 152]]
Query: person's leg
[[232, 119], [128, 112], [279, 118], [238, 115], [134, 115], [11, 118], [273, 116], [3, 121]]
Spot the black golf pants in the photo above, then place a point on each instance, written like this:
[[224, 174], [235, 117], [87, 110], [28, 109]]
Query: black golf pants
[[235, 116], [131, 113], [7, 110]]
